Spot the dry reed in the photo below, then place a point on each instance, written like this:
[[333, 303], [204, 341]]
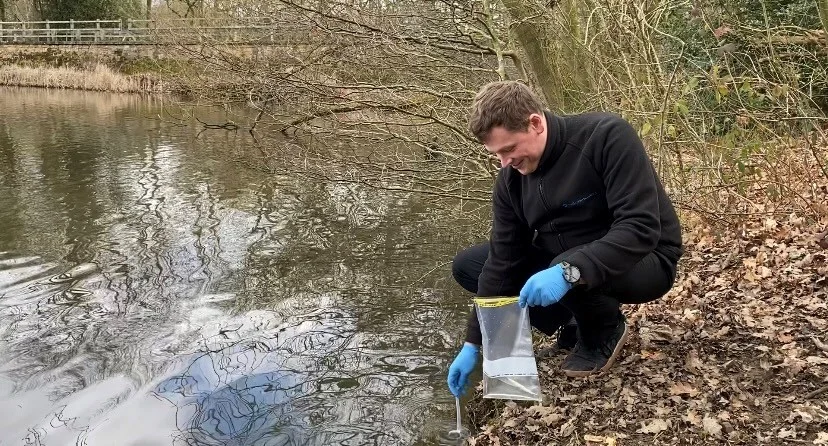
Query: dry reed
[[98, 78]]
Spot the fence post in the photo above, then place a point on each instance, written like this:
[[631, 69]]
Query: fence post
[[48, 32]]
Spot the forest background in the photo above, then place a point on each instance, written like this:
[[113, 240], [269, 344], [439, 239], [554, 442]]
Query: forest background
[[730, 96]]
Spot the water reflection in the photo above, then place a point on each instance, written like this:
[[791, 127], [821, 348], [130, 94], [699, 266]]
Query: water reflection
[[237, 395], [153, 292]]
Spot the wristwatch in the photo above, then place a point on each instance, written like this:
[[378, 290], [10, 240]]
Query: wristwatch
[[571, 273]]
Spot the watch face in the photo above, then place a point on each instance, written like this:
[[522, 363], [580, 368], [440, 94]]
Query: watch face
[[572, 274]]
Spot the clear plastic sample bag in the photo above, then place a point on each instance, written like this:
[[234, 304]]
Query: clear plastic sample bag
[[509, 367]]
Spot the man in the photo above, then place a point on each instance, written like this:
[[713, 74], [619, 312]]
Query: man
[[581, 224]]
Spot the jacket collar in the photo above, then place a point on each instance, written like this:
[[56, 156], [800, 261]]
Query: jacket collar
[[555, 136]]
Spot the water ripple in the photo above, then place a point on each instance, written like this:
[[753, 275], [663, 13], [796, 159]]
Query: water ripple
[[154, 292]]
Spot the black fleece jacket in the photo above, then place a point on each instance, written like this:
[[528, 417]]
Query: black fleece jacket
[[594, 188]]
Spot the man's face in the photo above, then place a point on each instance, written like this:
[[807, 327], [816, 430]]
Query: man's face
[[521, 150]]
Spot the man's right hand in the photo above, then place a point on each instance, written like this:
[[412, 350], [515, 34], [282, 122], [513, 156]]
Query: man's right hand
[[461, 368]]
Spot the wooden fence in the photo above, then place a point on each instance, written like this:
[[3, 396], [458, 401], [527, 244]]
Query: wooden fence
[[117, 32]]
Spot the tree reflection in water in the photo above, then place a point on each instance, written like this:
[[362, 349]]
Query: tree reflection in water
[[151, 289]]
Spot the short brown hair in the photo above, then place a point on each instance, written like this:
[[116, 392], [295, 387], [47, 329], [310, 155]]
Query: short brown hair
[[504, 103]]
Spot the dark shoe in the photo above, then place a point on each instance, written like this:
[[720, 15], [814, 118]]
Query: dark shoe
[[568, 336], [584, 360]]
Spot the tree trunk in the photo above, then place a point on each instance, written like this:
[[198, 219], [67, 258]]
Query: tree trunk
[[822, 6], [149, 9], [530, 33], [501, 67], [38, 9], [2, 10]]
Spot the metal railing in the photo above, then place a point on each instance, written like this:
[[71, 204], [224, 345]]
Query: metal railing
[[190, 30]]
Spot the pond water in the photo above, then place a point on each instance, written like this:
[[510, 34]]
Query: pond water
[[155, 290]]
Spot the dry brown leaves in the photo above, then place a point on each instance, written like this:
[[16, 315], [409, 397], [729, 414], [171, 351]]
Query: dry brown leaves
[[736, 353]]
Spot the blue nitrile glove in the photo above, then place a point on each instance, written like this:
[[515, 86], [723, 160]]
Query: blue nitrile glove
[[544, 288], [461, 368]]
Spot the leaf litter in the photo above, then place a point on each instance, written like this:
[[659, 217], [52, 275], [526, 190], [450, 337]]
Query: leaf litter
[[736, 353]]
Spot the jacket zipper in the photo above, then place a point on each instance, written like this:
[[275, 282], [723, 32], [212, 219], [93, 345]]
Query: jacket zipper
[[559, 236], [543, 196], [545, 203]]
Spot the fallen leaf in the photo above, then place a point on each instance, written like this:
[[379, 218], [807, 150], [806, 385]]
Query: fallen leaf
[[806, 414], [786, 433], [539, 410], [657, 425], [609, 441], [692, 362], [693, 418], [822, 240], [567, 429], [683, 389], [652, 355], [711, 426], [553, 418]]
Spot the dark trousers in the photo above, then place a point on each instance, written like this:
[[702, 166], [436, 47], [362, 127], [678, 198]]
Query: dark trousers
[[597, 310]]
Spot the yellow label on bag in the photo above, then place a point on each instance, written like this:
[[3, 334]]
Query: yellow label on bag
[[491, 302]]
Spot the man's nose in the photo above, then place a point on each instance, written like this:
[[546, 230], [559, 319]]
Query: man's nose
[[505, 161]]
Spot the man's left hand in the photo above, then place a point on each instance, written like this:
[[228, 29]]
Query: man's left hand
[[544, 288]]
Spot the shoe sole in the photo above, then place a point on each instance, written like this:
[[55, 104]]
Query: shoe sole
[[610, 361]]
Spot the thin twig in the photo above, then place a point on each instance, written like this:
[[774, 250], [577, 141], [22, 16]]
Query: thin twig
[[816, 392]]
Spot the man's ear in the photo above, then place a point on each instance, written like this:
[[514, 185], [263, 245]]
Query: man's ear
[[536, 122]]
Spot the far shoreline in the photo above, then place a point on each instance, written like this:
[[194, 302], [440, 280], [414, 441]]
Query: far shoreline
[[97, 78]]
